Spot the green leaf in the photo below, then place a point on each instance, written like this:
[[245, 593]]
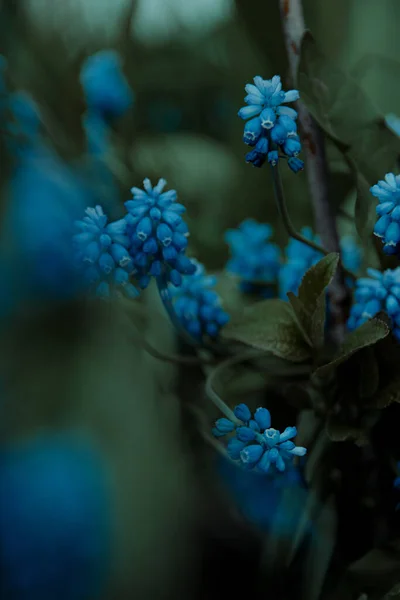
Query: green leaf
[[270, 325], [366, 335], [378, 570], [387, 395], [316, 279], [335, 100], [345, 113], [310, 305]]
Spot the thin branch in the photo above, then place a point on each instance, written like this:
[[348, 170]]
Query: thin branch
[[215, 373], [317, 171], [284, 213]]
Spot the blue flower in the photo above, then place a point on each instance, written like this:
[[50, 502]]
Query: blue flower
[[299, 258], [271, 126], [55, 520], [254, 258], [198, 307], [351, 253], [102, 254], [158, 234], [387, 226], [257, 444], [378, 292], [106, 89]]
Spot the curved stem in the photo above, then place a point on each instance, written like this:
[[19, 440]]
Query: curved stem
[[229, 362], [284, 213], [165, 296]]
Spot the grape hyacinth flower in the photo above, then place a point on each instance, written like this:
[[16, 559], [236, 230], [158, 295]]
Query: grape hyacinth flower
[[299, 258], [198, 306], [387, 226], [256, 444], [158, 235], [106, 89], [254, 258], [271, 128], [378, 292], [102, 253]]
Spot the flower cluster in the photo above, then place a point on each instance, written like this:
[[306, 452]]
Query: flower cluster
[[272, 127], [387, 226], [379, 291], [254, 258], [256, 444], [101, 251], [157, 234], [299, 258], [198, 306]]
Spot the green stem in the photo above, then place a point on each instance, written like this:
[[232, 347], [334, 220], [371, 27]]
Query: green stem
[[284, 213], [165, 296], [213, 376]]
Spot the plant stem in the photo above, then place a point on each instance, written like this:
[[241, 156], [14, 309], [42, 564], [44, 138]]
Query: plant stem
[[284, 213], [167, 302], [317, 171]]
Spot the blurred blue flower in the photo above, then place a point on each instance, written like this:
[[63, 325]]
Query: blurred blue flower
[[257, 444], [106, 89], [55, 527], [158, 234], [396, 482], [393, 122], [387, 226], [351, 253], [299, 258], [45, 197], [102, 253], [198, 306], [271, 126], [253, 257], [378, 292], [259, 496]]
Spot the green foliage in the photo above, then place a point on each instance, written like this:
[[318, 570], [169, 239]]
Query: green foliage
[[366, 335], [349, 118], [270, 325]]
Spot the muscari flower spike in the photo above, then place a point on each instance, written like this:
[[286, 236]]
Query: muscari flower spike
[[387, 226], [101, 252], [158, 235], [198, 306], [271, 127], [378, 292], [254, 258], [256, 444]]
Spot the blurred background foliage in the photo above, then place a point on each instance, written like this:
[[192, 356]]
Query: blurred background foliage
[[67, 368]]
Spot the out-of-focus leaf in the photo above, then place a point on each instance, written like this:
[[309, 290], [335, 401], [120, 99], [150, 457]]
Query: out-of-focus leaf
[[393, 594], [320, 550], [377, 570], [345, 113], [270, 325], [340, 431], [366, 335]]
